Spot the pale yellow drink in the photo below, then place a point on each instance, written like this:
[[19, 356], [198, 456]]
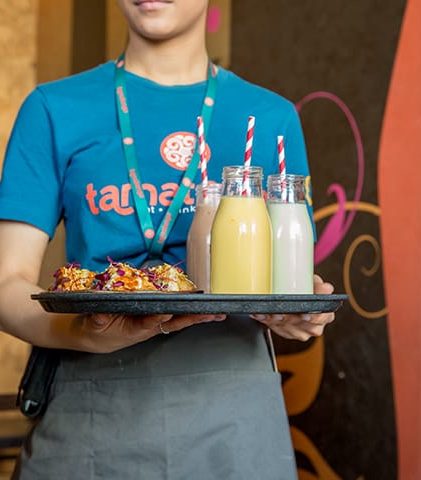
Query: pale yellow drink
[[241, 244]]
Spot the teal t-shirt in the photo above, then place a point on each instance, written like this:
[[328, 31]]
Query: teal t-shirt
[[65, 158]]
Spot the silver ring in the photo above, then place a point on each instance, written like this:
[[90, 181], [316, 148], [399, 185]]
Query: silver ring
[[165, 332]]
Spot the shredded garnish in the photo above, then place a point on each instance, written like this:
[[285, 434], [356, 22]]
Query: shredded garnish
[[122, 277]]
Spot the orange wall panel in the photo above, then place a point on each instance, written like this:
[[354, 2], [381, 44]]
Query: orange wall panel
[[399, 184]]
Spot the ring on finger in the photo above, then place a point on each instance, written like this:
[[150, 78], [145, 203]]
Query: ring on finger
[[165, 332]]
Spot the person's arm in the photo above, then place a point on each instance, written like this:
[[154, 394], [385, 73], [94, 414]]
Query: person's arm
[[22, 248]]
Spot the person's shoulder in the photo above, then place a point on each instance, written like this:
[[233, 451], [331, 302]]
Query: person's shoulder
[[245, 91], [81, 85]]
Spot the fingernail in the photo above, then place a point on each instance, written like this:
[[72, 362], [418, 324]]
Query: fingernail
[[258, 317], [212, 318], [306, 317], [99, 322], [220, 317]]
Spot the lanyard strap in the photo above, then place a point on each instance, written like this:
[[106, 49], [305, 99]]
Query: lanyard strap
[[155, 240]]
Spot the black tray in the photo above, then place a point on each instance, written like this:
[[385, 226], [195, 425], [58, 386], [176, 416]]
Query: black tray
[[141, 303]]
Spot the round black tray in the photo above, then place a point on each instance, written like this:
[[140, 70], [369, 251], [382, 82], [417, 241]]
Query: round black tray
[[143, 303]]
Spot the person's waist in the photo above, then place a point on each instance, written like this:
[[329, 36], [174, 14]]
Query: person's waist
[[237, 344]]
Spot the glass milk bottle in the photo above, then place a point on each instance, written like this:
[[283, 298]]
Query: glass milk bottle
[[293, 242], [199, 237], [241, 240]]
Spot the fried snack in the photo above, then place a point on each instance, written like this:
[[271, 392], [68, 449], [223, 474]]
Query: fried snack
[[121, 277], [72, 278], [168, 278]]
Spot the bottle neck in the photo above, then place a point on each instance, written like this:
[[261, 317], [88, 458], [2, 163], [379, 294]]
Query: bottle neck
[[286, 189], [210, 197], [241, 182]]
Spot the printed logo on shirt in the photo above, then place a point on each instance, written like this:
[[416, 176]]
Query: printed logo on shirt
[[116, 198], [177, 150]]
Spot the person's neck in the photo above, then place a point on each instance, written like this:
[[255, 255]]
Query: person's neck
[[179, 61]]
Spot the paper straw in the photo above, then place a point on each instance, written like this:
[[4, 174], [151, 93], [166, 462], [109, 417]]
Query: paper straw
[[248, 155], [281, 157], [202, 153]]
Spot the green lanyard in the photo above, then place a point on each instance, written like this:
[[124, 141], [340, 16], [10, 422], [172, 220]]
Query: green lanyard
[[155, 240]]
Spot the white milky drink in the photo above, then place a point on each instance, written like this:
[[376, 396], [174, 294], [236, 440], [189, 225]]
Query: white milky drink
[[293, 241]]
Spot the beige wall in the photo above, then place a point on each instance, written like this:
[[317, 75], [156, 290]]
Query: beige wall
[[54, 60], [18, 27], [18, 55], [116, 30], [54, 39]]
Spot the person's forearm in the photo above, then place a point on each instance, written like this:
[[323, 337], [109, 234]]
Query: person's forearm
[[24, 318]]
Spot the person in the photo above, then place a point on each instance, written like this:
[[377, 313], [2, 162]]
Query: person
[[128, 400]]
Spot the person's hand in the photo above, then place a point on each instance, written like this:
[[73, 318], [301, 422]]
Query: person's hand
[[104, 333], [300, 327]]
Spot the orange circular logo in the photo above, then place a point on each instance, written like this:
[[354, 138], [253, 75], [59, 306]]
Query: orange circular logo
[[177, 149]]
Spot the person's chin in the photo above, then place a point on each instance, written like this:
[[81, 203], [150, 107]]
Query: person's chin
[[157, 32]]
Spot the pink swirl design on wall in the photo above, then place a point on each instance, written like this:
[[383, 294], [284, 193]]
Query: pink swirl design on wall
[[214, 19], [340, 223]]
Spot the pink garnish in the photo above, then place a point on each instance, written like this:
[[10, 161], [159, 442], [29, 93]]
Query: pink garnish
[[177, 264], [110, 260], [103, 277]]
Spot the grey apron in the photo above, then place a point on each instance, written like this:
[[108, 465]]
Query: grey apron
[[204, 404]]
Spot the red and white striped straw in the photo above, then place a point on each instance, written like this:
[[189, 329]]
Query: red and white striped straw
[[248, 155], [281, 157], [202, 153]]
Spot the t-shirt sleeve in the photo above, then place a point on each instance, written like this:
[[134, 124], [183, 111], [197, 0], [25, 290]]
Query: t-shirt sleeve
[[296, 156], [30, 187]]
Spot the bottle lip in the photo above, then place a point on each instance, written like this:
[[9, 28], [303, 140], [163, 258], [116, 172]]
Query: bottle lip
[[278, 180], [213, 188], [234, 171], [289, 177]]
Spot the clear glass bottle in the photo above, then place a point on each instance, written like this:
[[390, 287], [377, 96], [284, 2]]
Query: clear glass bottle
[[199, 237], [293, 240], [241, 240]]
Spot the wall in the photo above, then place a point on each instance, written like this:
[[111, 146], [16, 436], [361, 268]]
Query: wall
[[17, 78], [399, 181], [335, 60]]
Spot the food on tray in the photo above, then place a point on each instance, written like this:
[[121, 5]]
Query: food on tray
[[121, 277], [168, 278], [72, 278]]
